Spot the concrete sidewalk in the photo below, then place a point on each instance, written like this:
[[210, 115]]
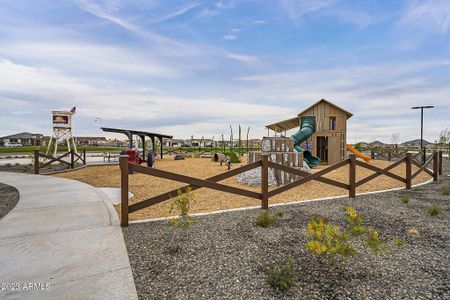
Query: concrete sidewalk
[[62, 241]]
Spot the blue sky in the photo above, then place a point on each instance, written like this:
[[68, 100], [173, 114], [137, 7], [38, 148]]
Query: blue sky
[[193, 67]]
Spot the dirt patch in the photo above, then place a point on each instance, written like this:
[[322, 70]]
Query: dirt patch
[[144, 186]]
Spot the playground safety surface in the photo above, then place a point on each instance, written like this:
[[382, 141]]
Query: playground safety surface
[[144, 186]]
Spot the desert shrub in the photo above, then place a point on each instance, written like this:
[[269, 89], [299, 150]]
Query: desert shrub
[[282, 277], [328, 240], [264, 220], [182, 204], [334, 243], [279, 214], [405, 199], [434, 210], [398, 241], [233, 157], [445, 191]]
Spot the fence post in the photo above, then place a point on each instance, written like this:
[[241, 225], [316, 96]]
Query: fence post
[[123, 162], [72, 159], [424, 155], [265, 181], [435, 165], [440, 162], [389, 154], [36, 161], [408, 174], [84, 155], [352, 176]]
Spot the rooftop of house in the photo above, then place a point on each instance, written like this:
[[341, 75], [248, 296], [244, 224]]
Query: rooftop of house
[[23, 135]]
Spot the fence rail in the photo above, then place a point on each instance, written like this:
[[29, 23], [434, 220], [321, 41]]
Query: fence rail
[[74, 158], [212, 182]]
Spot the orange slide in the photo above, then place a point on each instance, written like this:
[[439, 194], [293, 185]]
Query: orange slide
[[357, 153]]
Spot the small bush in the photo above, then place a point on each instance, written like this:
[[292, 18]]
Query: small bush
[[279, 214], [282, 277], [434, 210], [264, 220], [445, 191], [182, 203], [233, 157], [405, 199], [398, 241], [331, 242]]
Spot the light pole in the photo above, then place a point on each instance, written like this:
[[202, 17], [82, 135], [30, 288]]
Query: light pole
[[421, 125]]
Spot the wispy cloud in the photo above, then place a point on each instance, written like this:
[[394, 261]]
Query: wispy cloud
[[341, 11], [428, 15], [296, 9], [170, 46], [230, 37], [177, 13], [111, 101]]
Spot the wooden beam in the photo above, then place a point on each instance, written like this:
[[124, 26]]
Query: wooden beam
[[310, 177], [304, 174], [264, 181], [373, 176], [166, 196], [352, 176], [379, 170], [124, 209]]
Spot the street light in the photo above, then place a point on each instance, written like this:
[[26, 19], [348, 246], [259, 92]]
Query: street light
[[421, 125]]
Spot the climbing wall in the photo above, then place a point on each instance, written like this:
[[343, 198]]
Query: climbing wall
[[281, 151]]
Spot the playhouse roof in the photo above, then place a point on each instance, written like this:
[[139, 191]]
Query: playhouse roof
[[295, 122], [349, 114]]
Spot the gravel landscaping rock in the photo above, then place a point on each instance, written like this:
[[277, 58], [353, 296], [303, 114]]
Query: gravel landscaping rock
[[9, 196], [224, 256]]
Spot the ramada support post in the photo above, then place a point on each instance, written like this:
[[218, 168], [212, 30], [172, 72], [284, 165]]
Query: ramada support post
[[123, 162], [161, 145], [352, 176], [408, 171], [265, 181], [143, 146], [153, 144]]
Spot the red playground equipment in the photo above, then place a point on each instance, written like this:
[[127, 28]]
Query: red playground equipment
[[133, 157]]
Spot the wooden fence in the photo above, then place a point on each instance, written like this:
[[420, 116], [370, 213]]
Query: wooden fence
[[263, 196], [74, 158]]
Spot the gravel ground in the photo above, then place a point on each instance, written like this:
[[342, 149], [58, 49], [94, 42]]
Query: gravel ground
[[9, 196], [224, 256]]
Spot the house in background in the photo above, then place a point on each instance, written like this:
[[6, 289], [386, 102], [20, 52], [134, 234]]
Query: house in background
[[24, 138], [96, 141]]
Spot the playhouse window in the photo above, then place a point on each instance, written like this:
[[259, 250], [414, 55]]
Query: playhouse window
[[332, 123]]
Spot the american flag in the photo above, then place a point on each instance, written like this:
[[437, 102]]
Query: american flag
[[73, 109]]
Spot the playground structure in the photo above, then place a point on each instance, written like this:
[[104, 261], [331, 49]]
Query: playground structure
[[357, 153], [62, 130], [323, 129]]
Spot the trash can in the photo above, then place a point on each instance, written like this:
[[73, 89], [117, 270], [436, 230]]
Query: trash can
[[150, 159]]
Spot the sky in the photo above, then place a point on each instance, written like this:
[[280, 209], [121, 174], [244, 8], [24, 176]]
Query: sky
[[194, 67]]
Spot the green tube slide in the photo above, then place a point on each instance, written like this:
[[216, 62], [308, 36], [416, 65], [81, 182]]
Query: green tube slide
[[307, 128]]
